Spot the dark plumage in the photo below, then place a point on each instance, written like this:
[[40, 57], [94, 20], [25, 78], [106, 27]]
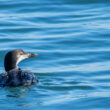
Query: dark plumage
[[14, 76]]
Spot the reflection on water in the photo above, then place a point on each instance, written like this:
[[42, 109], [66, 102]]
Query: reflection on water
[[17, 92]]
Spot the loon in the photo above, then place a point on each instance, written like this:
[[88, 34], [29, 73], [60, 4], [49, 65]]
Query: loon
[[14, 76]]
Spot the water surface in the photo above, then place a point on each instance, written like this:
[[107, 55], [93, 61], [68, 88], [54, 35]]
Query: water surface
[[72, 38]]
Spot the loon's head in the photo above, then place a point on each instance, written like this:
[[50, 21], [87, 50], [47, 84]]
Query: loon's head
[[13, 57]]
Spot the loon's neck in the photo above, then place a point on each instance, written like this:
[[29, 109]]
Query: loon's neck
[[10, 67], [10, 64]]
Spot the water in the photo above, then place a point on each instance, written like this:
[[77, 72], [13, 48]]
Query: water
[[72, 38]]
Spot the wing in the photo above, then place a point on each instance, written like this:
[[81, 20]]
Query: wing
[[17, 77], [27, 78], [3, 78]]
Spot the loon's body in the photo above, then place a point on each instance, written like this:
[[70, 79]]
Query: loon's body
[[14, 76]]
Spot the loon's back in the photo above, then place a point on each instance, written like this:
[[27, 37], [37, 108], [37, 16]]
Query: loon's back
[[17, 77]]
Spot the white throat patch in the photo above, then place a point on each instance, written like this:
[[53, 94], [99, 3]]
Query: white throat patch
[[21, 57]]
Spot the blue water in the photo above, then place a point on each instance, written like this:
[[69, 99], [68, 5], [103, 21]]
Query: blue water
[[72, 38]]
